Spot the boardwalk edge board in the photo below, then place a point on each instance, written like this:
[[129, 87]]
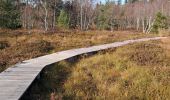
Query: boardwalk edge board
[[15, 80]]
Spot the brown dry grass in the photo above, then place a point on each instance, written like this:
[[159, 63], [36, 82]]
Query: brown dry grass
[[134, 72], [117, 74], [23, 45]]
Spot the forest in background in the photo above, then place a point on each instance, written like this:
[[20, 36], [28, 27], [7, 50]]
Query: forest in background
[[50, 15]]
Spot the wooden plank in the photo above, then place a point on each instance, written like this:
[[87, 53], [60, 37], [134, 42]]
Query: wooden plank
[[14, 81]]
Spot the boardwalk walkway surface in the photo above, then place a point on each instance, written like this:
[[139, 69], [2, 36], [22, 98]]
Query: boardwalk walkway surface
[[15, 80]]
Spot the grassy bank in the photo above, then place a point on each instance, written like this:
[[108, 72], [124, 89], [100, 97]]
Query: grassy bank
[[138, 71], [19, 45]]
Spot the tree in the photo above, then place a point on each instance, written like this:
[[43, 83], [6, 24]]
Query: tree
[[102, 20], [160, 23], [105, 16], [126, 1], [45, 5], [82, 14], [119, 2], [63, 19], [9, 15], [132, 1], [55, 7]]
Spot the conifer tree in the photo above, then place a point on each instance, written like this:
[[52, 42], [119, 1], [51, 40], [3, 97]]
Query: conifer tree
[[160, 23], [63, 19], [9, 15]]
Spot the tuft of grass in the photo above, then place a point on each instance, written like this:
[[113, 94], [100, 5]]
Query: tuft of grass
[[115, 76]]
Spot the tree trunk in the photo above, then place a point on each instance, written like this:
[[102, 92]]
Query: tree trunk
[[44, 4], [138, 24], [45, 20], [143, 24], [81, 14], [54, 15]]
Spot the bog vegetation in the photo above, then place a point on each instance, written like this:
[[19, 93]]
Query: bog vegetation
[[142, 72], [15, 48]]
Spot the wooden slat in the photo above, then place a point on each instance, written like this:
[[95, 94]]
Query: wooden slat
[[14, 81]]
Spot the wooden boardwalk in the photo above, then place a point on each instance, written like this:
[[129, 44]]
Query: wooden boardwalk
[[15, 80]]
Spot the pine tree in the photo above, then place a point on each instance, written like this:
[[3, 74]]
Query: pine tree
[[63, 19], [160, 23], [119, 2], [9, 15], [132, 1], [102, 19], [126, 1]]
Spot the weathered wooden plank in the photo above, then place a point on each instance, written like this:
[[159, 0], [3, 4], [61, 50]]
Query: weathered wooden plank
[[15, 80]]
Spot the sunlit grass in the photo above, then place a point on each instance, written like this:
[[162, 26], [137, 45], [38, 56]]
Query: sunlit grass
[[117, 75], [112, 74]]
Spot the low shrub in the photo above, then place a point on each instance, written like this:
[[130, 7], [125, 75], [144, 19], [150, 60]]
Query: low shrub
[[146, 54], [41, 46], [23, 51], [4, 44]]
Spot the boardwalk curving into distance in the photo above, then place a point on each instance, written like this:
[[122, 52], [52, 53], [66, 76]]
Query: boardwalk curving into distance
[[15, 80]]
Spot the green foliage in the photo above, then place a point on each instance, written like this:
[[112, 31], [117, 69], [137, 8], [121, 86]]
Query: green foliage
[[160, 23], [63, 19], [102, 23], [102, 20], [132, 1], [9, 15]]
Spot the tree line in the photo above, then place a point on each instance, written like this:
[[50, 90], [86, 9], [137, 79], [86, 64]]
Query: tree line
[[140, 15]]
